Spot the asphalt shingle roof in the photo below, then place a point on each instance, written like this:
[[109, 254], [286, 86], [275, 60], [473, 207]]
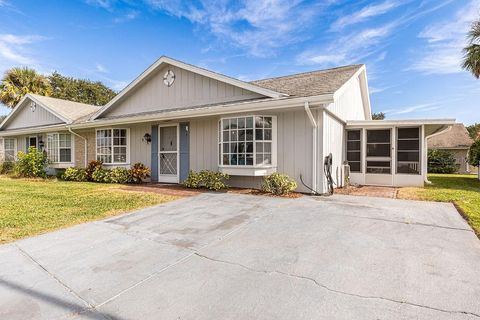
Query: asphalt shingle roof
[[310, 83], [70, 110], [456, 137]]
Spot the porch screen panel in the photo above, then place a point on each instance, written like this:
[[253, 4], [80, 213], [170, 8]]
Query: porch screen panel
[[379, 151], [354, 150], [408, 150]]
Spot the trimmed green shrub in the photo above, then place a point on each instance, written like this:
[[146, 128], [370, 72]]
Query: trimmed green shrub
[[31, 164], [213, 180], [102, 175], [193, 180], [6, 167], [210, 180], [441, 161], [91, 167], [119, 175], [474, 154], [138, 172], [75, 174], [59, 173], [278, 184]]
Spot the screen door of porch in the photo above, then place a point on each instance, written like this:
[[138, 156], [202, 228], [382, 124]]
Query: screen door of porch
[[168, 154]]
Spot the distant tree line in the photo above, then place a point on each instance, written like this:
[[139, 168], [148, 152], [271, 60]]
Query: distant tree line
[[17, 82]]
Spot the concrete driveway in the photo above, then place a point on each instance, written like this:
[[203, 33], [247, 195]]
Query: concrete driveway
[[228, 256]]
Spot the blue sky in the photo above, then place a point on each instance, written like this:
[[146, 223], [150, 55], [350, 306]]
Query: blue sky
[[412, 48]]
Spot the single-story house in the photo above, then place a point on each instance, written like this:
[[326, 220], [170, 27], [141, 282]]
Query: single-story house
[[176, 117], [456, 140]]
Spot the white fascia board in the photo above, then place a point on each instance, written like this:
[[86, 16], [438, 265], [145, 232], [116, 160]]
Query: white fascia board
[[33, 130], [33, 99], [188, 67], [222, 109], [384, 123]]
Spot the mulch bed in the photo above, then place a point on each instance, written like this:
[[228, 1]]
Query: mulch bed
[[179, 191]]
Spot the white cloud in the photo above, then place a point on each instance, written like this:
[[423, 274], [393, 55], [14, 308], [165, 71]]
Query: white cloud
[[351, 48], [12, 48], [445, 41], [106, 4], [258, 26], [100, 68], [132, 15], [364, 14], [424, 107]]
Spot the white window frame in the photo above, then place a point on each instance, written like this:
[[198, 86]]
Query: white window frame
[[72, 154], [15, 149], [127, 158], [248, 170]]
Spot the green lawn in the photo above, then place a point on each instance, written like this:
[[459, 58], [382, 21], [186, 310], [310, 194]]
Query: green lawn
[[463, 190], [29, 207]]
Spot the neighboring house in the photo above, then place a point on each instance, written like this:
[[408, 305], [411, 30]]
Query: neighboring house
[[177, 117], [456, 140]]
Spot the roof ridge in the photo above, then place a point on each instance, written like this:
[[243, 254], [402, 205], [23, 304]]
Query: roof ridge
[[60, 99], [311, 72]]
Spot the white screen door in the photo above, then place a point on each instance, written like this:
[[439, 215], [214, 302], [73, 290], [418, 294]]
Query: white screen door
[[168, 159]]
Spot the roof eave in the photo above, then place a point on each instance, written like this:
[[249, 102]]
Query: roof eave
[[221, 109]]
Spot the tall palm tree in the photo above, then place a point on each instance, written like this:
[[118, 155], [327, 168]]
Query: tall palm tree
[[17, 82], [471, 61]]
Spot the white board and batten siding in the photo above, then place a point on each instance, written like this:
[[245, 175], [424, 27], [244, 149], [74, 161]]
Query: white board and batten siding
[[332, 139], [26, 118], [189, 89], [349, 102], [294, 147]]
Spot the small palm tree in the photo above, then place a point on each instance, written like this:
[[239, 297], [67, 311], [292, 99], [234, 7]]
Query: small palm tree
[[17, 82], [471, 61]]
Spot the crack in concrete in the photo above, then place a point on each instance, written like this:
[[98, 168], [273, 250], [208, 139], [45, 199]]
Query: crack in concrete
[[312, 280], [87, 306], [407, 223]]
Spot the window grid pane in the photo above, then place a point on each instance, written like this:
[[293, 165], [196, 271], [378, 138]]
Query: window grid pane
[[9, 149], [246, 141], [112, 145]]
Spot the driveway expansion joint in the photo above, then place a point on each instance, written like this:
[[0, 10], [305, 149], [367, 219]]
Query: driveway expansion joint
[[87, 307], [318, 284]]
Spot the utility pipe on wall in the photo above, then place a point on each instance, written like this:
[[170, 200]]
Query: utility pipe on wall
[[314, 145], [84, 144]]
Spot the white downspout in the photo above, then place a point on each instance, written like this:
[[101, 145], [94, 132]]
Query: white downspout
[[84, 144], [314, 145]]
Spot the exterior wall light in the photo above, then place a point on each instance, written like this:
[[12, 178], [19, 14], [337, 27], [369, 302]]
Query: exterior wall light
[[147, 137]]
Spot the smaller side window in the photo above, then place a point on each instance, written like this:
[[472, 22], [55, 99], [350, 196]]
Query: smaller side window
[[354, 150], [10, 149]]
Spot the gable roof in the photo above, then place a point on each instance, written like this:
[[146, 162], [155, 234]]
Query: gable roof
[[311, 83], [65, 110], [204, 72], [455, 138]]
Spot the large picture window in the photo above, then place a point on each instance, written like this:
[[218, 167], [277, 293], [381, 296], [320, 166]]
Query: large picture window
[[9, 149], [59, 147], [354, 150], [246, 141], [112, 146], [408, 150]]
